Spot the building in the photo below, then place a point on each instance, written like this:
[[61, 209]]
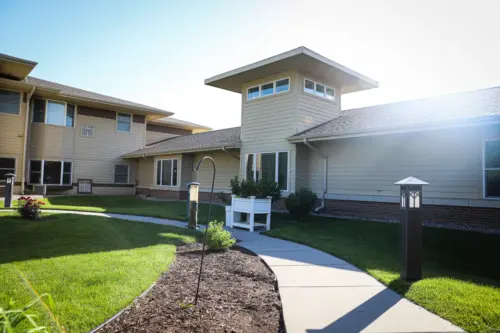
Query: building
[[53, 135], [294, 132]]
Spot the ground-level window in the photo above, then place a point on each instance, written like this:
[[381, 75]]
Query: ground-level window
[[51, 172], [166, 172], [7, 165], [121, 174], [10, 102], [268, 166], [492, 169]]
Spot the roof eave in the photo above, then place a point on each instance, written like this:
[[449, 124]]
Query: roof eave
[[181, 151], [485, 120], [233, 80]]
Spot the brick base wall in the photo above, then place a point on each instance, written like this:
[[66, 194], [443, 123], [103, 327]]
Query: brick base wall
[[385, 211], [163, 194]]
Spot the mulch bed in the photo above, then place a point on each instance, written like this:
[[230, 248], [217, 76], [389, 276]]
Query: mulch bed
[[237, 294]]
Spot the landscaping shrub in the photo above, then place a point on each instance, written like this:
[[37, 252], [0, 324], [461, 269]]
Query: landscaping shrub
[[219, 239], [29, 208], [11, 317], [225, 198], [300, 204], [260, 189]]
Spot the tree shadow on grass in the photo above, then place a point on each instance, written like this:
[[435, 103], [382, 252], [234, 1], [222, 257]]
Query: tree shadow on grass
[[66, 234]]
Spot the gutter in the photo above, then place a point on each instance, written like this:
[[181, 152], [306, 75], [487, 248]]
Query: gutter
[[325, 173], [229, 153], [25, 139]]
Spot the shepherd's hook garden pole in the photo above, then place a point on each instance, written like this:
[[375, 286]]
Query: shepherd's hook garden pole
[[195, 169]]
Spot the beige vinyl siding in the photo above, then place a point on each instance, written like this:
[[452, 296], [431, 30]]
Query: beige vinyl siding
[[12, 137], [51, 142], [93, 157], [186, 170], [227, 168], [145, 171], [268, 121], [152, 137], [450, 160], [313, 110]]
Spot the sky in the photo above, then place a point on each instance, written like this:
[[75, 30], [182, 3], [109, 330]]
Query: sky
[[159, 52]]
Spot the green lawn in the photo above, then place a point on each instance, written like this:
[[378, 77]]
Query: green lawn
[[92, 266], [132, 205], [461, 269]]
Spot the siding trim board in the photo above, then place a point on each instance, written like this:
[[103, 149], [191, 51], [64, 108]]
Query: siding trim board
[[167, 129], [93, 112]]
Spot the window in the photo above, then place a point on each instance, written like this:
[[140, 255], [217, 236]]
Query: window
[[253, 92], [56, 113], [319, 90], [492, 169], [9, 102], [39, 111], [67, 169], [36, 172], [70, 115], [268, 89], [7, 165], [166, 172], [121, 174], [282, 85], [309, 87], [268, 166], [53, 113], [51, 172], [123, 122], [87, 130]]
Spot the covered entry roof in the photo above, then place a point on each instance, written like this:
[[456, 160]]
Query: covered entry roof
[[301, 59]]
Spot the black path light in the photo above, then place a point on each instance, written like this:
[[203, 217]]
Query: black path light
[[9, 189], [411, 228], [195, 169]]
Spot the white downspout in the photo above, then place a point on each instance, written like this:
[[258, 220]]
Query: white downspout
[[325, 172], [25, 139]]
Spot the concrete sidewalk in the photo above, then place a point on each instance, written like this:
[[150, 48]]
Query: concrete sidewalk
[[322, 293]]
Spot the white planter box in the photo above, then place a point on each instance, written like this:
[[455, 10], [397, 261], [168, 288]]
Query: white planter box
[[250, 206]]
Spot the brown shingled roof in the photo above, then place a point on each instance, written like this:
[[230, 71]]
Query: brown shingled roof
[[461, 109], [213, 140], [84, 94]]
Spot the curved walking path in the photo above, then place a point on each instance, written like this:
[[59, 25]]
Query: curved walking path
[[322, 293]]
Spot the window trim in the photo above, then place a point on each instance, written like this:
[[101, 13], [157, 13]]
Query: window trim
[[128, 173], [15, 165], [314, 93], [20, 103], [116, 122], [487, 169], [276, 167], [42, 172], [274, 88], [171, 172]]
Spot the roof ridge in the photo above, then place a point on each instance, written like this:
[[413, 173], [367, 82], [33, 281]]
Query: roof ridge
[[192, 135]]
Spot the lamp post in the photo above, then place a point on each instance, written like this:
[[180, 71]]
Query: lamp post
[[9, 189], [411, 228], [192, 208], [195, 169]]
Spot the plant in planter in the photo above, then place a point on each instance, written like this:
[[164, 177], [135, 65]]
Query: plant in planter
[[250, 198], [300, 204], [29, 208]]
